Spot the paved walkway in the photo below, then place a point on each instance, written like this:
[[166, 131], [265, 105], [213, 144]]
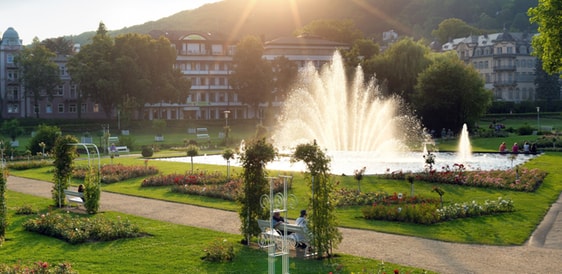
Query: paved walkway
[[541, 254]]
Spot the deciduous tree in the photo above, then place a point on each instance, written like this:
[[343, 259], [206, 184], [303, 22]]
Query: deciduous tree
[[450, 93], [252, 76], [40, 74], [547, 45]]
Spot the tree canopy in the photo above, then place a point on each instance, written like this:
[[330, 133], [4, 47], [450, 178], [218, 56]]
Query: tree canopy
[[453, 28], [252, 76], [343, 31], [40, 74], [547, 45], [449, 93]]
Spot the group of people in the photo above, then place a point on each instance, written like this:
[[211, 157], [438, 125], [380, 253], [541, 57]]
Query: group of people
[[527, 148], [277, 220]]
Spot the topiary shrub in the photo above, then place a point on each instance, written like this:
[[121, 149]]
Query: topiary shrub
[[147, 151]]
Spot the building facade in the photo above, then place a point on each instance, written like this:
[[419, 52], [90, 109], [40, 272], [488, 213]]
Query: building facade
[[503, 60], [203, 57], [65, 102]]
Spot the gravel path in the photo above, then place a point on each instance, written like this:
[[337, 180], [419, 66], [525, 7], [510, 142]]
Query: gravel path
[[541, 254]]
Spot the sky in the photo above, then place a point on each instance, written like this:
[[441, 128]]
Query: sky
[[55, 18]]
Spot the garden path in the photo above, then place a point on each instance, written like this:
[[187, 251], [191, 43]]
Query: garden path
[[541, 254]]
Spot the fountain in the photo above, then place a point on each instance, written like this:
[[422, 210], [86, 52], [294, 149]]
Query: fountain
[[464, 152], [358, 128], [344, 117]]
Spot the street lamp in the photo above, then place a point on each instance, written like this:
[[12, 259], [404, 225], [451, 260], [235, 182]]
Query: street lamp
[[2, 152], [538, 120], [226, 129]]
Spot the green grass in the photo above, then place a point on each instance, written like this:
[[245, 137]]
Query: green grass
[[170, 248]]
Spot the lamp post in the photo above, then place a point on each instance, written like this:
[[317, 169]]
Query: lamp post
[[2, 154], [538, 120], [226, 129]]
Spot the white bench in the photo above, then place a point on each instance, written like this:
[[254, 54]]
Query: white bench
[[119, 149], [297, 235], [74, 196]]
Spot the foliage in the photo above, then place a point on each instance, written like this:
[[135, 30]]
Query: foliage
[[285, 72], [192, 151], [450, 93], [116, 173], [159, 125], [397, 69], [219, 250], [251, 77], [92, 190], [358, 175], [346, 197], [12, 128], [453, 28], [518, 179], [343, 31], [430, 213], [189, 178], [23, 165], [76, 229], [39, 73], [25, 210], [323, 223], [38, 267], [64, 153], [548, 44], [93, 69], [59, 45], [44, 134], [254, 159], [147, 151], [548, 85], [3, 207]]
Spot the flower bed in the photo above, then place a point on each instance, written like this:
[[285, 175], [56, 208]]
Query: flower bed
[[228, 191], [74, 229], [519, 179], [196, 178], [38, 267], [348, 197], [23, 165], [115, 173], [430, 213]]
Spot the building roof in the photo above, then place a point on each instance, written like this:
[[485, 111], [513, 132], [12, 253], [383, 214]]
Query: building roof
[[11, 37], [488, 39], [304, 41]]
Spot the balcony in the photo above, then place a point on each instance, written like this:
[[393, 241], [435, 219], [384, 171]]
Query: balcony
[[505, 68], [507, 83]]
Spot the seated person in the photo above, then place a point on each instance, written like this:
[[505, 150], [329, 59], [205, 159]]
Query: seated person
[[301, 221], [276, 220], [81, 190]]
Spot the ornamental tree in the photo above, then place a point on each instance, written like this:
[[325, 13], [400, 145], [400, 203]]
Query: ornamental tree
[[323, 224], [64, 154], [254, 159]]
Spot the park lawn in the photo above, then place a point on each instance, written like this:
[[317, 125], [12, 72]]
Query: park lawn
[[503, 229], [169, 248]]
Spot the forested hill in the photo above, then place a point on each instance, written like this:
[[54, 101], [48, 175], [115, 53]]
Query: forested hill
[[274, 18]]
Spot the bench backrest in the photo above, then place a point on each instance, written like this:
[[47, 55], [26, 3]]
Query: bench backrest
[[73, 193], [264, 225]]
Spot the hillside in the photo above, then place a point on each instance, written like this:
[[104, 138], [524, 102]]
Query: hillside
[[274, 18]]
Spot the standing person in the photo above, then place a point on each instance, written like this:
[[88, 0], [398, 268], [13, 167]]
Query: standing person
[[503, 147], [515, 148]]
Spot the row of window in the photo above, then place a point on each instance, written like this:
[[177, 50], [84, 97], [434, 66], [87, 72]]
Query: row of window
[[518, 63], [72, 108], [509, 77], [209, 81]]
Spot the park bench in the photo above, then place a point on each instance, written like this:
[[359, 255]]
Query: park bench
[[74, 196], [297, 236], [119, 150]]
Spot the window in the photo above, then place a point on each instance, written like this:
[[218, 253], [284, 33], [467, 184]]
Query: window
[[83, 108], [60, 90], [498, 50], [62, 70], [486, 64], [509, 49], [48, 108], [13, 108], [12, 75], [61, 108], [73, 93], [72, 108], [96, 108], [13, 93], [10, 59]]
